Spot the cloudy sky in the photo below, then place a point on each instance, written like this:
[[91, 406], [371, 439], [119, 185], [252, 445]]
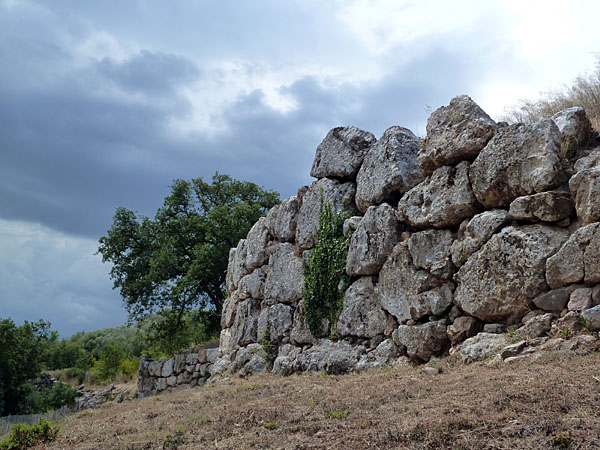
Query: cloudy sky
[[103, 104]]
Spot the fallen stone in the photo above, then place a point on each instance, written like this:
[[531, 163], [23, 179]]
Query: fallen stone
[[531, 315], [568, 325], [507, 273], [592, 318], [330, 357], [372, 241], [553, 301], [495, 328], [519, 160], [341, 153], [442, 200], [513, 349], [481, 346], [389, 169], [536, 327], [455, 133]]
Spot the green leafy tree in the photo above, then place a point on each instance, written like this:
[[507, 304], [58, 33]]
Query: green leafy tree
[[22, 354], [177, 261]]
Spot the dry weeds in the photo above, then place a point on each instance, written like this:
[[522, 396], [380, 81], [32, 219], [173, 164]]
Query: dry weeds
[[550, 403]]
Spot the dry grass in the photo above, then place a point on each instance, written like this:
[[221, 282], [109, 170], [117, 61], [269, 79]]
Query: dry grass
[[584, 91], [550, 403]]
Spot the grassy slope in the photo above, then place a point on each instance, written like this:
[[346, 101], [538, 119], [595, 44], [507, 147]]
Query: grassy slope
[[543, 404]]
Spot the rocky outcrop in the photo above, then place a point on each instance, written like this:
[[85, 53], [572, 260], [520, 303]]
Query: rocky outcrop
[[389, 169], [455, 133], [474, 230]]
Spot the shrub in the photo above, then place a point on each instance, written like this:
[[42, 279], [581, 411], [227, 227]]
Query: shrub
[[23, 436], [58, 395], [325, 279]]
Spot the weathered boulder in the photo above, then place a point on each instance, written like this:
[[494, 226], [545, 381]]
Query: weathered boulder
[[340, 195], [462, 328], [568, 265], [281, 220], [275, 322], [592, 318], [575, 127], [236, 268], [519, 160], [284, 363], [300, 334], [481, 346], [256, 244], [362, 314], [389, 169], [407, 292], [330, 357], [476, 233], [430, 250], [455, 133], [546, 206], [422, 341], [580, 299], [536, 326], [500, 280], [285, 274], [585, 190], [341, 153], [553, 301], [253, 285], [442, 200], [589, 161], [243, 331], [385, 353], [254, 353], [373, 240]]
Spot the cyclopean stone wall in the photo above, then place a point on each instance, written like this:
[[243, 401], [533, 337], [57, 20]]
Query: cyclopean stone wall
[[479, 226], [187, 369]]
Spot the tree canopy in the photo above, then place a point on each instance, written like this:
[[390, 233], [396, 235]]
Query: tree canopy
[[177, 261]]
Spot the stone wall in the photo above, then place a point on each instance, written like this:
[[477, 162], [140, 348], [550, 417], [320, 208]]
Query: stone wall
[[187, 369], [478, 227]]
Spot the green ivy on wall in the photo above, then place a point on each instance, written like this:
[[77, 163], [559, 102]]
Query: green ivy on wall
[[325, 279]]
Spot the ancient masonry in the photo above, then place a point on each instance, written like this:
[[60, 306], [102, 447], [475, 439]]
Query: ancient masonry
[[479, 227]]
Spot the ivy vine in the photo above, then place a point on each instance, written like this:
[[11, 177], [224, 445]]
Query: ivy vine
[[325, 279]]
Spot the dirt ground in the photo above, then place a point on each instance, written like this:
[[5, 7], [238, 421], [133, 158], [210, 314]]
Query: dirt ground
[[553, 402]]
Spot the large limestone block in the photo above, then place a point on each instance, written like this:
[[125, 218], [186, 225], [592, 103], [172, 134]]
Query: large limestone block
[[501, 279], [546, 207], [236, 267], [341, 153], [252, 286], [362, 314], [300, 334], [476, 233], [575, 127], [226, 343], [455, 133], [330, 357], [422, 341], [256, 244], [275, 321], [285, 274], [519, 160], [407, 292], [243, 331], [373, 240], [430, 250], [340, 195], [442, 200], [389, 169], [568, 264], [585, 190], [229, 309], [281, 220]]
